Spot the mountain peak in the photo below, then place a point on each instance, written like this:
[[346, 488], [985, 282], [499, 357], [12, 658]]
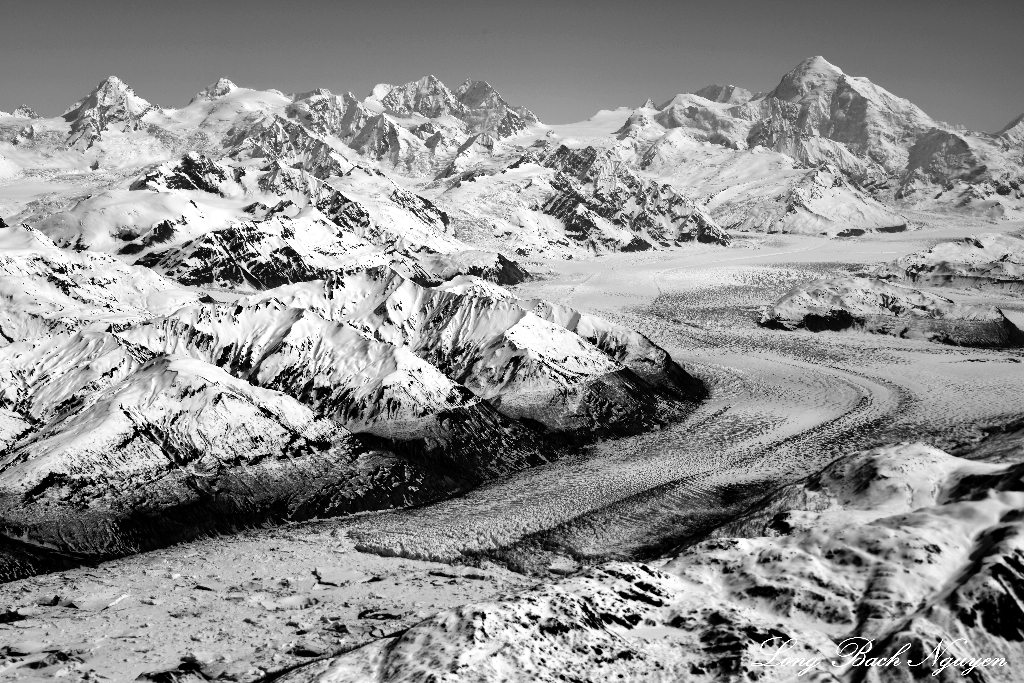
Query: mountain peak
[[112, 82], [113, 87], [110, 90], [818, 63], [212, 92], [427, 96], [26, 112], [1014, 130], [111, 101], [808, 80]]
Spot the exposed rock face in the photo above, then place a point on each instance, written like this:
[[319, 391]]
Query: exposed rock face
[[303, 229], [873, 122], [45, 290], [384, 140], [488, 112], [384, 214], [499, 347], [374, 387], [427, 96], [279, 139], [594, 187], [192, 172], [810, 84], [415, 129], [902, 546], [866, 144], [783, 127], [1014, 131], [265, 236], [325, 113], [876, 306], [483, 264], [111, 103], [26, 112], [985, 260], [729, 94], [474, 102], [818, 116], [940, 156], [280, 249], [869, 142], [972, 171]]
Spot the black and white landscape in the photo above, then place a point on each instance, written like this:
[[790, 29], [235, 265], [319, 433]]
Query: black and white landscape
[[412, 386]]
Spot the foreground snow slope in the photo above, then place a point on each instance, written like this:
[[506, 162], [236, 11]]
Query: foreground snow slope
[[907, 549]]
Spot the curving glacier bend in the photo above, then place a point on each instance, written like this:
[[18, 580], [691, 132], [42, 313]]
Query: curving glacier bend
[[664, 353]]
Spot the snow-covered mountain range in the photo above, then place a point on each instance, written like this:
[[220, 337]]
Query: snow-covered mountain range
[[307, 295]]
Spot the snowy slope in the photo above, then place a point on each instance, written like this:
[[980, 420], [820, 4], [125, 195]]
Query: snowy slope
[[902, 548]]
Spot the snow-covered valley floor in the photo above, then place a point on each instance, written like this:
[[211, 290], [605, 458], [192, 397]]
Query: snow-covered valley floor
[[782, 405]]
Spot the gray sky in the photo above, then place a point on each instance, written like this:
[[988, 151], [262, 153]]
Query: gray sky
[[960, 62]]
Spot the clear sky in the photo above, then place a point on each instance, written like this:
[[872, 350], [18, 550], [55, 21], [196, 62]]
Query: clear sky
[[961, 62]]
